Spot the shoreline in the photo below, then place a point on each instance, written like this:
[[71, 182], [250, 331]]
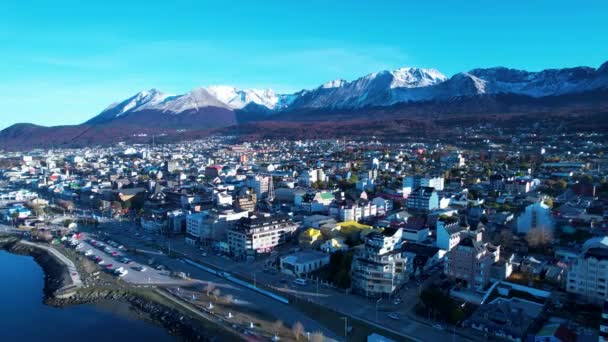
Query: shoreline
[[144, 301]]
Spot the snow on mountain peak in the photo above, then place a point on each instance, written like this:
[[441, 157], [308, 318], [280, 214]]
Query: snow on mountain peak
[[143, 98], [237, 98], [409, 77], [333, 84]]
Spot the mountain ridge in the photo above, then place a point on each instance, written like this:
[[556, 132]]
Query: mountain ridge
[[401, 93]]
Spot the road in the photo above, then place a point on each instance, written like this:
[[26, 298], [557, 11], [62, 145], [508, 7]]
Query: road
[[251, 300], [355, 306]]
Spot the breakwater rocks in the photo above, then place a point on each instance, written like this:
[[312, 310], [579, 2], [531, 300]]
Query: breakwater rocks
[[173, 321], [55, 274]]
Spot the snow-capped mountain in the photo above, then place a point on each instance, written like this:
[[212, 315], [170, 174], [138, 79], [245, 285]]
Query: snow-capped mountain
[[378, 89], [237, 98]]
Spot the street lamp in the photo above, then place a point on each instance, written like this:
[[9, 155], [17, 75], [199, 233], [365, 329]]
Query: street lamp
[[345, 326]]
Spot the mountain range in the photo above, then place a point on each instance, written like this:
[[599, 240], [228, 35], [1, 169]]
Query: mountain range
[[403, 93]]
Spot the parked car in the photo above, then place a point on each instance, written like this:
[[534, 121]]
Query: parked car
[[394, 315], [300, 281]]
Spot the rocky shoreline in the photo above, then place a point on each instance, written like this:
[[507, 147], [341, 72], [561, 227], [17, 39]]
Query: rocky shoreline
[[56, 276]]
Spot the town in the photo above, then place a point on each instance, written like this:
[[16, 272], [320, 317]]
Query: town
[[471, 239]]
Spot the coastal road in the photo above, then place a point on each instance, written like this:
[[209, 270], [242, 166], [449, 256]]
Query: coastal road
[[251, 300]]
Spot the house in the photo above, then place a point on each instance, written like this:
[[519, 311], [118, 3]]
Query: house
[[508, 318], [448, 232], [334, 244], [310, 238], [415, 229], [303, 262], [554, 332], [420, 258]]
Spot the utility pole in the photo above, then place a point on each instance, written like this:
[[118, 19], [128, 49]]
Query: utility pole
[[345, 327]]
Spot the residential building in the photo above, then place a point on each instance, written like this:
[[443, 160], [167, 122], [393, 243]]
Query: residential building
[[261, 184], [378, 268], [259, 234], [410, 183], [588, 273], [448, 232], [303, 263], [246, 200], [537, 215], [423, 199], [471, 260], [507, 318]]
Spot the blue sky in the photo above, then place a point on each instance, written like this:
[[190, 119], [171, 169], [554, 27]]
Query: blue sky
[[62, 62]]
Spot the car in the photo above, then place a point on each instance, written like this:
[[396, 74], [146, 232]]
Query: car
[[438, 326], [100, 262], [115, 253], [109, 266], [300, 281], [89, 252], [140, 268], [394, 315]]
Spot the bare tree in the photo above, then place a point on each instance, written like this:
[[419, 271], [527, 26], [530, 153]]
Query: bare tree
[[216, 293], [277, 326], [65, 205], [229, 299], [298, 330], [317, 337], [209, 288]]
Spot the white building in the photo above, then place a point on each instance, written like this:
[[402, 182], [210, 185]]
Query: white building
[[588, 273], [259, 234], [304, 262], [537, 215], [260, 184], [410, 183], [357, 211], [378, 269], [211, 225], [448, 234]]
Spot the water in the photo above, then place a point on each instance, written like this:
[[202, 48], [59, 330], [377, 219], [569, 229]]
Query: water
[[24, 317]]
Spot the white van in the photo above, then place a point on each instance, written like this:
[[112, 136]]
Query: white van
[[300, 281]]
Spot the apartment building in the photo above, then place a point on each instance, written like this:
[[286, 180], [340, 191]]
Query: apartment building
[[588, 274], [211, 225], [259, 234], [378, 268], [410, 183], [471, 261], [423, 199]]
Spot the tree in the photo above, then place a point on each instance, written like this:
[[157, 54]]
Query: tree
[[117, 206], [277, 326], [298, 330], [15, 216], [317, 336], [209, 288], [65, 205], [216, 293]]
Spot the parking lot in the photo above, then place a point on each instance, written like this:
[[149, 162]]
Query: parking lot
[[110, 256]]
